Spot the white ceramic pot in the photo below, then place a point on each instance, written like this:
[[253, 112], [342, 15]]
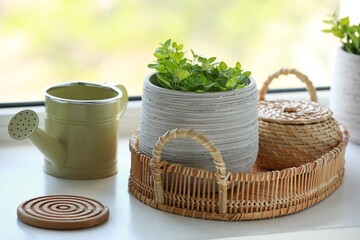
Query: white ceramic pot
[[229, 119], [345, 92]]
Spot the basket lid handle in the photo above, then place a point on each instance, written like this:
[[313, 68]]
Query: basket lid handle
[[302, 77], [156, 164]]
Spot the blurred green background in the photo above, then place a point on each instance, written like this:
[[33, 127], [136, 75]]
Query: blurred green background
[[47, 42]]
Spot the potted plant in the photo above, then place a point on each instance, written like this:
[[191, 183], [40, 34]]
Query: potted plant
[[345, 88], [201, 94]]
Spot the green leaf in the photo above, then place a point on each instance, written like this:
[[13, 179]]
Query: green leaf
[[223, 66], [163, 80], [355, 40], [207, 87], [344, 21], [247, 74], [182, 74], [212, 59], [159, 55], [238, 65], [241, 85], [161, 68], [326, 30], [180, 47], [193, 54], [338, 33], [177, 57], [202, 79], [183, 61], [352, 29], [187, 84], [167, 43], [328, 21], [184, 89], [221, 88], [172, 67], [152, 65], [231, 83]]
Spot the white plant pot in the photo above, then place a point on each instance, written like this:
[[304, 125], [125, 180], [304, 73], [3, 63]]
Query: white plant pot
[[345, 92], [229, 119]]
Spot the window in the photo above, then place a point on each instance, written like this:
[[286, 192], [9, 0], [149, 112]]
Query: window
[[47, 42]]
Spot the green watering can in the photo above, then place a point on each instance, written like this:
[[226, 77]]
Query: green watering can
[[81, 129]]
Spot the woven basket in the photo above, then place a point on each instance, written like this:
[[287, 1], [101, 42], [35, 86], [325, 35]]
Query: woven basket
[[292, 133], [238, 196]]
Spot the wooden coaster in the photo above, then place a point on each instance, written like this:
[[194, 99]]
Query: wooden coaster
[[63, 212]]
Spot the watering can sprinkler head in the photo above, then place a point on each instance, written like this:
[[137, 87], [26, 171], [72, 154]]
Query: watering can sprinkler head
[[25, 124]]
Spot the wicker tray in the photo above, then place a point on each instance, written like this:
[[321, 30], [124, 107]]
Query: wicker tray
[[222, 195]]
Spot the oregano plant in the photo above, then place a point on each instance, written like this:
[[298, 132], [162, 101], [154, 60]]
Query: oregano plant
[[349, 35], [198, 74]]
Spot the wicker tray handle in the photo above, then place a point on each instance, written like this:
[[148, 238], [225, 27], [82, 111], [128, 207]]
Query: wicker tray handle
[[156, 164], [302, 77]]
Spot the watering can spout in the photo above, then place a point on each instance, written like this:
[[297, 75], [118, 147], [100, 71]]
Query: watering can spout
[[25, 125]]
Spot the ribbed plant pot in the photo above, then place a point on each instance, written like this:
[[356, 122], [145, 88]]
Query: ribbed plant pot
[[229, 119], [345, 92]]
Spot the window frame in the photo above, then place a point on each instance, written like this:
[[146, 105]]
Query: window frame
[[130, 122]]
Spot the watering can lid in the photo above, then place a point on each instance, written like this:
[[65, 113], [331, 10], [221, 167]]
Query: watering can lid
[[293, 112]]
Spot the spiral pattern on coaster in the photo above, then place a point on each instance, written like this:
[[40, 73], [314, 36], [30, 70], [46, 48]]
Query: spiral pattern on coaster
[[63, 212]]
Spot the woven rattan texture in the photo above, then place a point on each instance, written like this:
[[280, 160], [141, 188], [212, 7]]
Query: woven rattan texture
[[258, 194], [302, 77], [283, 146], [293, 112]]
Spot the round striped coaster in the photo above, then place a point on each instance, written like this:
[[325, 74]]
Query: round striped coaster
[[63, 212]]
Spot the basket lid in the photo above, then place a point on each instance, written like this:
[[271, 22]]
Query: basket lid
[[293, 112]]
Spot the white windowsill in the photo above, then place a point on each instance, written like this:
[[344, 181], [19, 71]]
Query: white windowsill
[[22, 178]]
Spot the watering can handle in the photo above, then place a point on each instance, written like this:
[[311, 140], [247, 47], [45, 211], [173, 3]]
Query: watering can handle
[[124, 98]]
